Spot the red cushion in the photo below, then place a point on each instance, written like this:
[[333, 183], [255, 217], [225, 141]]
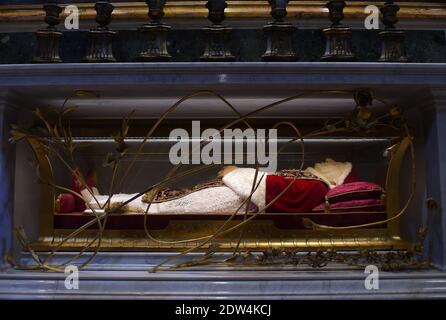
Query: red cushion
[[363, 205], [65, 203], [354, 191], [77, 187], [302, 196]]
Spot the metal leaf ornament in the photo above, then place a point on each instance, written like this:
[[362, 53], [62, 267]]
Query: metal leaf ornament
[[112, 158], [362, 114], [395, 115]]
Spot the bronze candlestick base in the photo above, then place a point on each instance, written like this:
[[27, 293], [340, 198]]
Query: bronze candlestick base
[[48, 46], [154, 44], [217, 35], [338, 44], [279, 42], [392, 46], [100, 39], [216, 48], [48, 39], [392, 40], [100, 47]]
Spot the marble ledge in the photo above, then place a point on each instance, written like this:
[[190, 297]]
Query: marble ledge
[[302, 73], [126, 276], [223, 285]]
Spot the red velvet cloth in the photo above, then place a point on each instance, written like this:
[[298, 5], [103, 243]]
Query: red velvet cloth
[[355, 191], [363, 205], [302, 196], [65, 203]]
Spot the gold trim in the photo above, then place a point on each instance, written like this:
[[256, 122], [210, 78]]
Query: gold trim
[[113, 242], [393, 185], [136, 240], [301, 10], [47, 197]]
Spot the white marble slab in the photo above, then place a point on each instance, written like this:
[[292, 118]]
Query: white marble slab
[[127, 277]]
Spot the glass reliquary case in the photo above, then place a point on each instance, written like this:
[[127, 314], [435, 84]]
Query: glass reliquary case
[[170, 183]]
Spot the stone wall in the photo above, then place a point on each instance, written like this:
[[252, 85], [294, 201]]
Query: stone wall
[[247, 45]]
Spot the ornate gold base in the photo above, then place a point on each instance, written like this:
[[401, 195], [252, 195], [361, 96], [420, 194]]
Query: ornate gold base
[[307, 244], [305, 240]]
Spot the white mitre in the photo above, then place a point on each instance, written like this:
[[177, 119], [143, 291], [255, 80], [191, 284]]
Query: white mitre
[[331, 172]]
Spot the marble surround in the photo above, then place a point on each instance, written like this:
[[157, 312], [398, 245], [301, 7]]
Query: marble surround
[[419, 87], [8, 115]]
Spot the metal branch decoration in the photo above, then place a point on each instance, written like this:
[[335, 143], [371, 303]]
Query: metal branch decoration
[[279, 34], [154, 34], [392, 39], [100, 46], [48, 39], [54, 135], [217, 35], [338, 43]]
